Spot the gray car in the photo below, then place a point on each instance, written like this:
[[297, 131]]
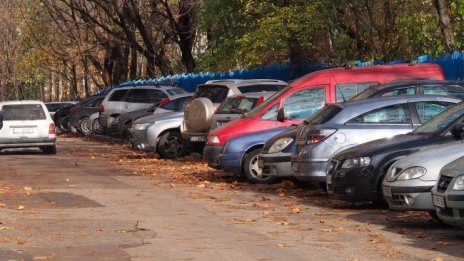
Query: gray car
[[408, 182], [79, 114], [448, 193], [340, 126], [127, 99], [235, 106]]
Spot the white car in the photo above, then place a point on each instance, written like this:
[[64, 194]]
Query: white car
[[27, 124], [408, 182]]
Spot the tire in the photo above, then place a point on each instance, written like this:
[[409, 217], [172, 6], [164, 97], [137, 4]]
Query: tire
[[171, 145], [96, 127], [49, 149], [252, 171], [84, 126]]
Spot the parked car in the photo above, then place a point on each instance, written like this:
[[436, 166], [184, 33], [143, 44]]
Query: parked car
[[79, 114], [208, 97], [240, 155], [61, 118], [122, 123], [95, 127], [418, 87], [306, 95], [160, 133], [52, 107], [409, 181], [127, 99], [26, 124], [356, 174], [340, 126], [235, 106], [275, 158], [448, 193]]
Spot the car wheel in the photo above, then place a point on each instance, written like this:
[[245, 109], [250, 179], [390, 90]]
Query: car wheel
[[171, 145], [84, 126], [49, 149], [253, 172], [96, 127]]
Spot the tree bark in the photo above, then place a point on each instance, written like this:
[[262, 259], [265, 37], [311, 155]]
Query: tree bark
[[443, 9]]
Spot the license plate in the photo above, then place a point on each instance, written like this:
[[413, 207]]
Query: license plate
[[387, 191], [23, 130], [438, 201], [197, 138], [260, 163]]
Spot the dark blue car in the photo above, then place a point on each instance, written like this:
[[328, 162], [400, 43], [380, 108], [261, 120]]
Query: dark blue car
[[240, 154]]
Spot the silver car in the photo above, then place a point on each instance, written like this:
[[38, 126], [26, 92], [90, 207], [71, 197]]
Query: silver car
[[340, 126], [408, 182], [235, 106], [27, 124], [160, 133]]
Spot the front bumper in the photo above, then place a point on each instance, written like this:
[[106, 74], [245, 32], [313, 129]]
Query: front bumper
[[276, 164], [232, 162], [453, 211], [408, 197], [139, 139], [314, 171], [354, 185], [211, 155]]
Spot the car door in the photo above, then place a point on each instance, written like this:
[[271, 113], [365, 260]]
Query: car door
[[426, 110]]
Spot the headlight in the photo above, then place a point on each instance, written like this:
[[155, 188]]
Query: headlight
[[141, 126], [412, 173], [211, 140], [280, 144], [459, 184], [356, 162]]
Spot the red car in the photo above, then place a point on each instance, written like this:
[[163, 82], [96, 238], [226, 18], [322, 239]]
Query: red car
[[306, 95]]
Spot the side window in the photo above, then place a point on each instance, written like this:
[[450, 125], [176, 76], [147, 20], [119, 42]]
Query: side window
[[450, 90], [392, 114], [183, 102], [344, 91], [304, 103], [147, 96], [119, 95], [428, 110], [402, 91], [271, 114]]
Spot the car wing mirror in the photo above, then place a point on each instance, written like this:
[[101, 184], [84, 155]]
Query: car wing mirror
[[281, 115], [457, 131]]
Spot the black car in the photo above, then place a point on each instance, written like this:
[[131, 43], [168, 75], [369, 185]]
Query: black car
[[356, 174], [61, 118], [79, 114], [418, 87]]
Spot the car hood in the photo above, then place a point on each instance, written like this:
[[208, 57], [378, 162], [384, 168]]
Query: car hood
[[160, 117], [397, 142], [428, 158]]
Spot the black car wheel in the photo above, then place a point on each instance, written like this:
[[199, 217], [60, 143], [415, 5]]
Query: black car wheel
[[96, 127], [84, 126], [49, 149], [253, 172], [171, 145]]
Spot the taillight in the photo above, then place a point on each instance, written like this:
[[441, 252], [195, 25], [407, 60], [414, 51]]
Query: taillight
[[260, 100], [163, 102], [317, 136], [102, 108], [51, 129]]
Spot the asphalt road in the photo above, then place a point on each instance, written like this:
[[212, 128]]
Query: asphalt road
[[97, 201]]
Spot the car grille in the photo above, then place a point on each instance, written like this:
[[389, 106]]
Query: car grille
[[446, 212], [398, 200], [443, 183]]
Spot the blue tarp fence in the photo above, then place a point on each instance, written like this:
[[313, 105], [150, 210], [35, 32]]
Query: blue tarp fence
[[452, 65]]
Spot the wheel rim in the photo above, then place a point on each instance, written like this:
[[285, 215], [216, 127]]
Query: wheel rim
[[96, 127], [255, 170], [85, 126], [172, 146]]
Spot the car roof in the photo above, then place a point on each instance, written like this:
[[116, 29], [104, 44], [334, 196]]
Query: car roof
[[57, 102], [265, 94], [21, 102], [245, 81], [396, 84], [179, 96], [161, 86]]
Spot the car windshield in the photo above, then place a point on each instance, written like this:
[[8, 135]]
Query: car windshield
[[216, 93], [263, 105], [23, 112], [367, 93], [323, 115], [175, 91], [237, 105], [442, 121]]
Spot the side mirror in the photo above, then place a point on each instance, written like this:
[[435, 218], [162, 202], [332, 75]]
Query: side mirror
[[281, 115], [457, 131]]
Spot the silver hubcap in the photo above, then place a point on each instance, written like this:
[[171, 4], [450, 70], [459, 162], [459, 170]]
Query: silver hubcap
[[255, 170]]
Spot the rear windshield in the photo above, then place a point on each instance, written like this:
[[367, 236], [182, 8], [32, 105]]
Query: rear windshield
[[119, 95], [216, 93], [263, 105], [323, 115], [22, 112], [52, 107], [237, 105], [260, 88]]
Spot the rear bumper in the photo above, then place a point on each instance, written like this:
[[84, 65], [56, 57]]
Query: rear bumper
[[27, 142], [211, 155], [314, 171]]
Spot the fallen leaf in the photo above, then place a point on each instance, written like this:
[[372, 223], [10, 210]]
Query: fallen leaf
[[437, 259], [295, 210], [283, 223], [172, 185], [280, 245], [327, 230], [5, 228], [201, 185], [20, 207], [2, 205], [21, 241]]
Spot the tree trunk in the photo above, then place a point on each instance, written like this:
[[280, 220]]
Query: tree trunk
[[133, 64], [443, 9]]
